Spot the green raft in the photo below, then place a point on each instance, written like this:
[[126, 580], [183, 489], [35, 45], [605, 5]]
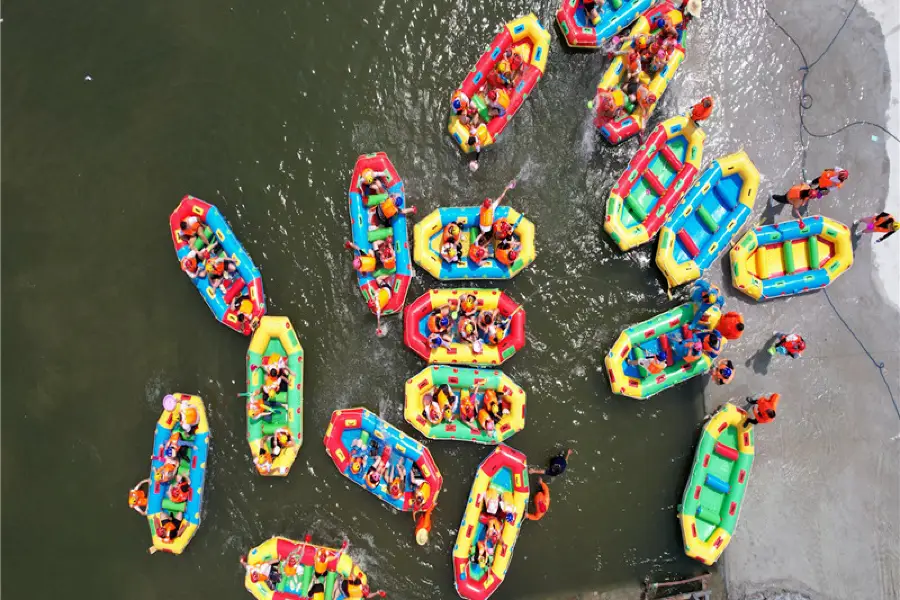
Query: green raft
[[274, 341], [715, 490]]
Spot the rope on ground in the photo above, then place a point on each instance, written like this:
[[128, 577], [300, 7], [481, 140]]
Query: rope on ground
[[804, 103]]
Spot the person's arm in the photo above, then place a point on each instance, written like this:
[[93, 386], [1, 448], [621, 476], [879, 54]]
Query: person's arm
[[886, 236]]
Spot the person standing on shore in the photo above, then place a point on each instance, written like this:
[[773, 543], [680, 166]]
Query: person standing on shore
[[880, 223], [790, 344], [763, 409]]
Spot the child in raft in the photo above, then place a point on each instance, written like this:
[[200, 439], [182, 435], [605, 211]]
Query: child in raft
[[881, 223], [376, 471], [220, 269], [396, 477], [451, 242], [653, 364], [373, 182], [367, 261], [507, 251], [389, 208], [609, 104]]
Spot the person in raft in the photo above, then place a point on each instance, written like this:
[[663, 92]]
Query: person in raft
[[557, 466], [498, 102], [591, 10], [390, 207], [723, 372], [373, 182], [366, 261], [170, 526], [137, 497], [790, 344], [499, 77], [190, 229], [381, 296], [396, 478], [463, 108], [193, 263], [451, 242], [830, 178], [541, 503], [355, 588], [763, 408], [422, 488], [220, 269], [280, 441], [880, 223], [731, 325], [179, 490], [702, 110], [706, 296], [242, 306], [264, 572], [653, 364], [798, 197], [507, 251]]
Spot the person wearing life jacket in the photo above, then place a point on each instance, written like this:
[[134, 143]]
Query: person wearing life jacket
[[263, 460], [281, 440], [446, 401], [478, 137], [396, 481], [376, 471], [242, 306], [467, 304], [432, 410], [257, 407], [467, 408], [364, 262], [459, 105], [380, 297], [373, 182], [180, 490], [491, 501], [712, 344], [439, 320], [658, 60], [702, 110], [493, 530], [421, 490], [645, 101], [263, 572], [610, 104], [190, 229], [723, 372], [881, 223], [516, 67], [494, 335], [507, 251], [692, 351], [502, 229], [731, 325], [486, 212], [798, 197], [654, 364], [830, 178], [452, 233], [169, 527], [137, 497], [219, 269], [790, 344], [478, 250], [764, 409], [320, 563], [499, 77], [508, 507], [541, 503], [485, 319], [356, 589], [390, 207], [485, 421], [452, 252], [632, 62], [491, 404], [467, 329], [192, 265], [498, 102]]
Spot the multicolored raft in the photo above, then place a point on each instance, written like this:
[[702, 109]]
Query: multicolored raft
[[383, 460], [432, 323], [786, 258], [386, 284], [620, 128], [715, 489], [657, 177], [282, 569], [274, 396], [708, 218], [658, 336], [177, 472], [615, 15], [491, 524], [471, 405], [528, 39], [429, 235], [238, 301]]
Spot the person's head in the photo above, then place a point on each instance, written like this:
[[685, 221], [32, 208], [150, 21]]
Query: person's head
[[502, 67], [444, 322], [843, 174], [516, 61], [469, 328], [651, 98], [770, 413], [189, 264], [356, 465], [707, 102], [368, 176], [492, 95], [801, 344], [641, 41], [283, 438], [895, 226], [513, 254], [726, 371], [453, 229], [661, 357], [183, 225], [273, 372], [398, 200]]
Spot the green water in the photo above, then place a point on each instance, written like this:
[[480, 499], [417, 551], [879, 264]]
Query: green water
[[262, 108]]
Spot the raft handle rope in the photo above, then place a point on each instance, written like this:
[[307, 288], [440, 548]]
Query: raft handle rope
[[804, 104]]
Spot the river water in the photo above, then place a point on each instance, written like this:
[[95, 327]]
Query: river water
[[113, 111]]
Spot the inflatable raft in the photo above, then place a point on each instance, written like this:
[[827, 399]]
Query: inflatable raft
[[621, 128], [657, 177], [295, 563], [503, 473], [239, 302], [365, 229], [417, 336], [429, 233], [524, 36], [708, 218], [715, 489], [277, 415], [786, 259], [163, 512], [615, 15], [462, 382], [650, 338], [357, 441]]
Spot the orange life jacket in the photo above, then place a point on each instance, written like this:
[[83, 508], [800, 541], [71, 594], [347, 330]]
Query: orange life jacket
[[796, 192], [434, 323], [655, 366], [137, 498], [321, 561], [491, 404], [466, 406], [643, 97], [883, 224], [482, 418], [825, 179], [178, 495], [699, 112], [477, 253], [389, 208], [389, 260], [451, 233], [501, 253], [366, 263], [728, 325], [486, 214], [764, 405], [193, 226], [382, 297]]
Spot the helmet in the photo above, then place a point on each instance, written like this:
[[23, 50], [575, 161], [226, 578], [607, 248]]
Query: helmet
[[513, 254], [492, 95], [801, 345], [706, 101], [469, 327], [355, 466], [726, 372], [357, 263], [368, 176], [896, 226], [189, 264], [444, 322], [651, 98], [398, 201], [843, 174], [502, 67], [453, 229]]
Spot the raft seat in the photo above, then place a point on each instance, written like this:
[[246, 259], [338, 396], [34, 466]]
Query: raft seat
[[727, 201], [375, 199], [707, 219], [812, 249], [380, 233], [716, 484], [787, 253], [173, 507], [637, 211], [726, 452], [707, 514]]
